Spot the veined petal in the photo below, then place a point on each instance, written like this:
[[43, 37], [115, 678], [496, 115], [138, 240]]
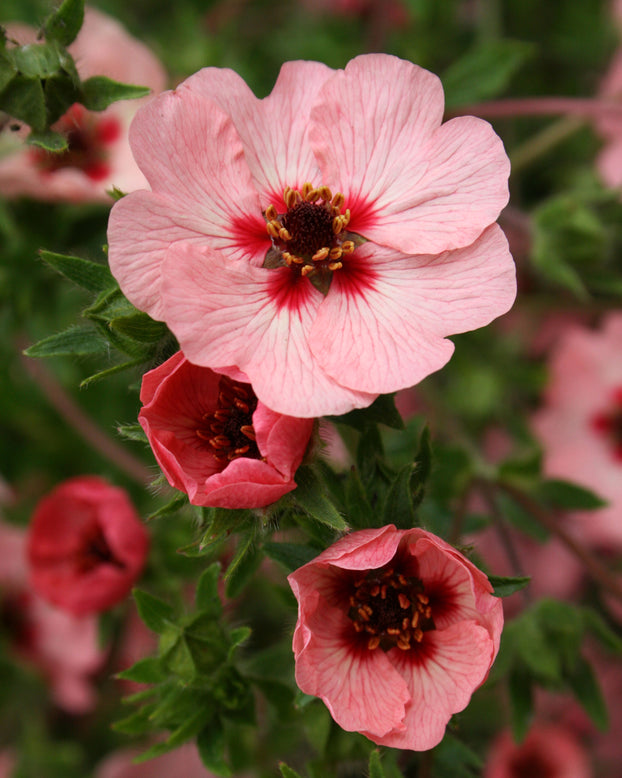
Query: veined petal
[[273, 130], [231, 313], [143, 225], [441, 677], [394, 311], [410, 183]]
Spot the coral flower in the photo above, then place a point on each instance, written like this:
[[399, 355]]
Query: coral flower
[[65, 648], [215, 441], [580, 424], [99, 156], [548, 751], [323, 241], [86, 546], [395, 631]]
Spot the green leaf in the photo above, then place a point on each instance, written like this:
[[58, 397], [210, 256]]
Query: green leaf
[[61, 92], [23, 99], [65, 23], [375, 765], [398, 506], [505, 585], [74, 341], [359, 510], [287, 772], [139, 326], [134, 432], [148, 670], [7, 70], [36, 60], [594, 622], [155, 613], [178, 502], [89, 275], [521, 703], [54, 142], [454, 759], [381, 411], [536, 650], [98, 92], [423, 467], [311, 496], [317, 724], [207, 587], [136, 723], [485, 71], [568, 496], [211, 745], [280, 696], [586, 689], [290, 555]]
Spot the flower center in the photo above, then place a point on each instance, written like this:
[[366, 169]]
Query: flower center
[[609, 424], [390, 609], [532, 764], [310, 236], [229, 429], [87, 138], [94, 551]]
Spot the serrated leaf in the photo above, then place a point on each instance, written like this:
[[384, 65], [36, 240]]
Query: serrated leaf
[[133, 432], [375, 765], [155, 613], [568, 496], [89, 275], [74, 341], [110, 371], [23, 99], [136, 723], [521, 703], [148, 670], [381, 411], [586, 689], [98, 92], [288, 772], [36, 60], [310, 495], [290, 555], [239, 574], [140, 327], [207, 587], [179, 501], [65, 23], [211, 745], [61, 92], [505, 585], [485, 71], [54, 142], [398, 506]]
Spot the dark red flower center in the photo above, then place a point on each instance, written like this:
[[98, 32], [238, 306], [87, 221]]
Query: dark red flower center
[[532, 764], [94, 550], [310, 236], [608, 423], [88, 136], [390, 609], [15, 619], [228, 430]]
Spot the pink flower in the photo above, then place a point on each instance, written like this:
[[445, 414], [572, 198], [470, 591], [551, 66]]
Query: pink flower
[[182, 761], [323, 241], [215, 441], [86, 546], [580, 424], [63, 647], [548, 751], [99, 156], [395, 631]]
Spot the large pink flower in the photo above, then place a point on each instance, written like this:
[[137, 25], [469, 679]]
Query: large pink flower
[[580, 425], [324, 240], [65, 648], [548, 751], [99, 156], [215, 441], [86, 546], [395, 631]]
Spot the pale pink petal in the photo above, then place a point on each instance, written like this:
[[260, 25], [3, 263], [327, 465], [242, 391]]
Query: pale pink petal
[[256, 321], [609, 163], [455, 662], [411, 184], [273, 130], [394, 311]]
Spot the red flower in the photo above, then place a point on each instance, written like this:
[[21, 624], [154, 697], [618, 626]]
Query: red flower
[[86, 546], [215, 441], [395, 631]]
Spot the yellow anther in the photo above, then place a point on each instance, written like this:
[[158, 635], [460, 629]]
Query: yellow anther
[[289, 195], [346, 217], [271, 213], [287, 257], [335, 266], [305, 189], [338, 200], [347, 246], [335, 253], [306, 270], [284, 234], [403, 644], [273, 231], [321, 254], [418, 635], [325, 193], [313, 196], [337, 224], [373, 643], [403, 601]]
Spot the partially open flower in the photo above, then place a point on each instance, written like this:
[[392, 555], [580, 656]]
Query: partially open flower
[[99, 156], [325, 240], [215, 441], [86, 546], [395, 631]]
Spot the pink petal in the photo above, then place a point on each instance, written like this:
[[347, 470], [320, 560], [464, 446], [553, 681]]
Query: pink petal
[[394, 311], [273, 130], [410, 183], [234, 313], [278, 436], [441, 679]]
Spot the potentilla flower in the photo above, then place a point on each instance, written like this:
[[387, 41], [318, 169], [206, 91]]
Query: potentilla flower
[[215, 441], [99, 156], [580, 423], [548, 751], [86, 546], [395, 631], [323, 241]]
